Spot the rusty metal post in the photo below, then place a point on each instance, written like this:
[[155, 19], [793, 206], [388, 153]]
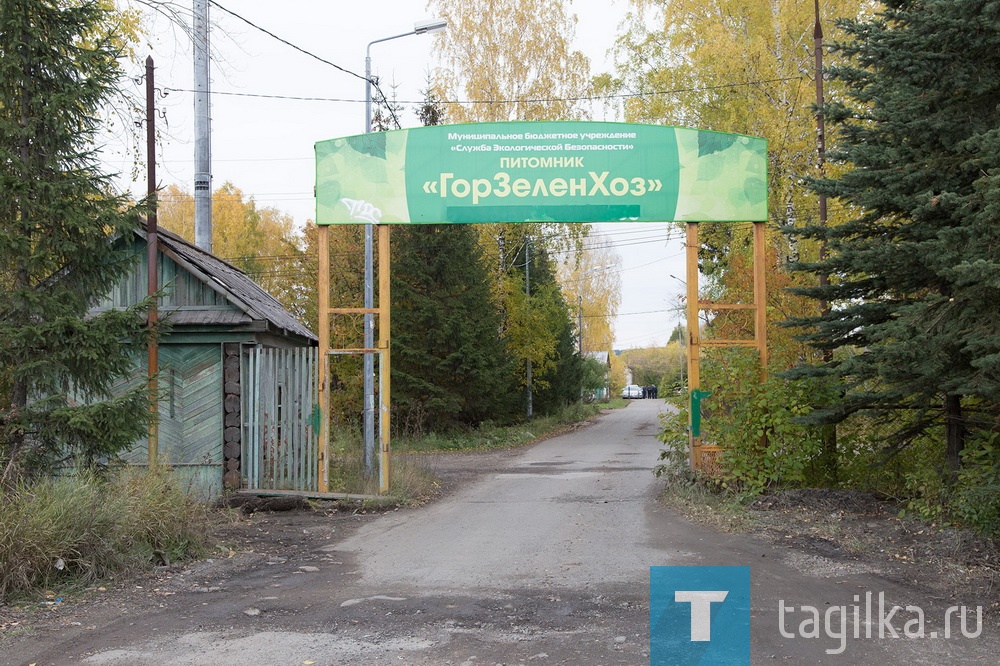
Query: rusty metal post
[[152, 270], [760, 293]]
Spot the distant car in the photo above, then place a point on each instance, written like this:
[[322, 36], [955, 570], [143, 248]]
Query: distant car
[[632, 391]]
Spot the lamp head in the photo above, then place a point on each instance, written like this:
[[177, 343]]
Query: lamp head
[[433, 25]]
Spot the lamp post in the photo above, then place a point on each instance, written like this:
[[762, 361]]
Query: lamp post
[[368, 370]]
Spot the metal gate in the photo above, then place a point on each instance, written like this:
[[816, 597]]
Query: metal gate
[[280, 418]]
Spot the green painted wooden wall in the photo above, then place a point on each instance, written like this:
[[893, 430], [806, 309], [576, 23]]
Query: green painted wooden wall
[[191, 415], [180, 287]]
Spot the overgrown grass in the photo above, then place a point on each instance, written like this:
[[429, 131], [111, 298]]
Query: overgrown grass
[[62, 532], [703, 500], [410, 481]]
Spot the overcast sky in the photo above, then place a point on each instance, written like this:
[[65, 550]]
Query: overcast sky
[[271, 103]]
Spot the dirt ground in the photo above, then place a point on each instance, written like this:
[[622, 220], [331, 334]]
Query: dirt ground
[[846, 527], [255, 532], [858, 529]]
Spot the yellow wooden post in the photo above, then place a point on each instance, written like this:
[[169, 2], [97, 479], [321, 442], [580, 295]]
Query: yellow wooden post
[[694, 337], [384, 356], [760, 293], [324, 359]]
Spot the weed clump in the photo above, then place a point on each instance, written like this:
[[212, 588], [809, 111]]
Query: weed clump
[[82, 528]]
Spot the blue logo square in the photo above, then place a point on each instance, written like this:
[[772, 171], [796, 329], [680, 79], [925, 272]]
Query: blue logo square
[[699, 615]]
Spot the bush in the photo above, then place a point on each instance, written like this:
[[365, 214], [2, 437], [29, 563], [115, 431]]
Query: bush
[[82, 528], [756, 424], [976, 500]]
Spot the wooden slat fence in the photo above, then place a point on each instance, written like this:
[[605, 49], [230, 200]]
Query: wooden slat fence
[[280, 408]]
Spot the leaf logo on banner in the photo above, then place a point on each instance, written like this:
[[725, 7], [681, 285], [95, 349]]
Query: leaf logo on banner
[[714, 142]]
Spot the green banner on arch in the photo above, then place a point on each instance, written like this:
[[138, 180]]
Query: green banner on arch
[[541, 172]]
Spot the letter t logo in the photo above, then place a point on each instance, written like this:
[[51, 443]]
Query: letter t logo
[[701, 611]]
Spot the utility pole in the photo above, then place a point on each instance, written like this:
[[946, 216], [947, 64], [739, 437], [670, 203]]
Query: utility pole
[[579, 328], [368, 360], [152, 272], [202, 130], [527, 291], [830, 430], [820, 150]]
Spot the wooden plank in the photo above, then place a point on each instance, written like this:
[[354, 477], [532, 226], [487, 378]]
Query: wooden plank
[[249, 396], [353, 310], [311, 403], [202, 403], [712, 305], [308, 494], [251, 446]]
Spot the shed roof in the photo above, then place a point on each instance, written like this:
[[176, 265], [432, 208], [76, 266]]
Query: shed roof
[[232, 283]]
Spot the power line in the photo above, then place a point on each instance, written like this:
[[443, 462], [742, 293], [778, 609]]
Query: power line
[[373, 81], [285, 42], [623, 314], [580, 98]]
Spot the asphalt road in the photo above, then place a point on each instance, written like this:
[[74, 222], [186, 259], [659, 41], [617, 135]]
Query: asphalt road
[[543, 560]]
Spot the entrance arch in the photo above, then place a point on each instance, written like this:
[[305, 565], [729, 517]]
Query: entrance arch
[[558, 171]]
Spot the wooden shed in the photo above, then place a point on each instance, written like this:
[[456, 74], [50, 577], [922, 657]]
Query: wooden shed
[[236, 368]]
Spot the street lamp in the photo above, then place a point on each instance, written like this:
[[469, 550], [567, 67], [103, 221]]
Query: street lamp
[[419, 28], [368, 370]]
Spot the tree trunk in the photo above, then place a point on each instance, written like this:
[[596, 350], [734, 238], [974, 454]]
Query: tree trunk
[[955, 429]]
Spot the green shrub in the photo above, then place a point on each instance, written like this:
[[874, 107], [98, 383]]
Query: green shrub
[[756, 424], [674, 456], [976, 500]]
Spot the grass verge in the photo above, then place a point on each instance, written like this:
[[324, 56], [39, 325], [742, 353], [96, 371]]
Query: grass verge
[[410, 481], [698, 502], [491, 436]]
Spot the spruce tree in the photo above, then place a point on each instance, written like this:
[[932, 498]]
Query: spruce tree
[[449, 367], [915, 275], [59, 70]]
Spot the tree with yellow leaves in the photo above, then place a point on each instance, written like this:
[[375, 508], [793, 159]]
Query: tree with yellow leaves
[[261, 241], [743, 66], [510, 60], [591, 285]]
